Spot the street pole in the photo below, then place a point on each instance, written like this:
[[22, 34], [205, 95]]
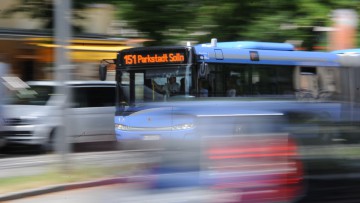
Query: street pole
[[62, 33]]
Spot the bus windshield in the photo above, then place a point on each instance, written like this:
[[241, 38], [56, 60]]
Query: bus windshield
[[156, 84]]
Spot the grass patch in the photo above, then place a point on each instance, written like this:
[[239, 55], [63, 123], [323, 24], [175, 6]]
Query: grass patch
[[55, 176]]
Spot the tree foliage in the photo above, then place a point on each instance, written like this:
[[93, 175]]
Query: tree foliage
[[171, 21], [271, 20], [262, 20], [157, 19]]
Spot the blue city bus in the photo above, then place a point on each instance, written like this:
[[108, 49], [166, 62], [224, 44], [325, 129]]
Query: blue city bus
[[217, 105], [215, 83]]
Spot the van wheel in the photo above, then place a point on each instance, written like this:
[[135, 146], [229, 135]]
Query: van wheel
[[49, 146]]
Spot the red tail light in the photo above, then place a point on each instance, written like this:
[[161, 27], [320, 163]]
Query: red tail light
[[260, 169]]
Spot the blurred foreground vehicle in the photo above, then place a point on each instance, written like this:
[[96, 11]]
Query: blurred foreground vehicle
[[246, 168], [33, 115], [256, 167]]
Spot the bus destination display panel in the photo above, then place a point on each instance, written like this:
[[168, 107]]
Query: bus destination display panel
[[153, 57]]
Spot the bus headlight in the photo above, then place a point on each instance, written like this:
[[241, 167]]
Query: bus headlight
[[121, 127], [185, 126]]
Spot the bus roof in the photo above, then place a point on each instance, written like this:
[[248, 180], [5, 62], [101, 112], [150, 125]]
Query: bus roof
[[254, 45], [263, 53]]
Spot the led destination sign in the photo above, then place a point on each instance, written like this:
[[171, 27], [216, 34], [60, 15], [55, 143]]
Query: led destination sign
[[154, 58]]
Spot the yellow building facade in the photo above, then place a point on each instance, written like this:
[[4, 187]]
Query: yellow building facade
[[30, 51]]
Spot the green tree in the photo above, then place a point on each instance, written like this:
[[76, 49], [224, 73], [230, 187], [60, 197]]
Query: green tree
[[169, 21], [160, 20], [227, 19], [265, 20]]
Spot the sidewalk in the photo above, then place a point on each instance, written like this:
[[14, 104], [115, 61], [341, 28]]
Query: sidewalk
[[62, 187], [43, 175]]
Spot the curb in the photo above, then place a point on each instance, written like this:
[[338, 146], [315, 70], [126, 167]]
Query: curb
[[62, 187]]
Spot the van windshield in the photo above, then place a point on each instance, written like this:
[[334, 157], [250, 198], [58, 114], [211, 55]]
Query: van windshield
[[34, 95]]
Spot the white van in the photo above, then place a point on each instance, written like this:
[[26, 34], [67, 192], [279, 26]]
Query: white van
[[33, 114]]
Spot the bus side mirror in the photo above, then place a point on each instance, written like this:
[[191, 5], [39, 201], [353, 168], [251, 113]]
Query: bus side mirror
[[102, 71], [203, 70]]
